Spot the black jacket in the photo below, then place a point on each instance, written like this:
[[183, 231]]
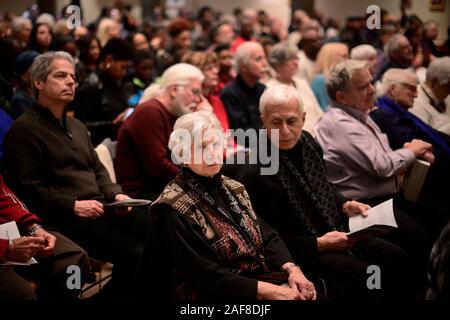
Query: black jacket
[[271, 203]]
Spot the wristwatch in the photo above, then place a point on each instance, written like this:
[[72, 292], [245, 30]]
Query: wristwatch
[[33, 229]]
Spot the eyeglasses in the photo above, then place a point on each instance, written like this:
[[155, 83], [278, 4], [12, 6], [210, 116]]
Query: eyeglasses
[[194, 91], [410, 87]]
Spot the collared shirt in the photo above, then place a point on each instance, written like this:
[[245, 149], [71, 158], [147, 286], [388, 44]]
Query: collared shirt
[[359, 161], [424, 109]]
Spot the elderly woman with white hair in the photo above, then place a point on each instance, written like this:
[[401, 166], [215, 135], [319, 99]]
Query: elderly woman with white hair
[[365, 52], [284, 59], [308, 213], [218, 246]]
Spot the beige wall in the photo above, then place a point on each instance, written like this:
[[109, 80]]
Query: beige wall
[[92, 8], [343, 8], [277, 8], [16, 7]]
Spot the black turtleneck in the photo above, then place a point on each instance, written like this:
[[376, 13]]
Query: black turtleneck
[[212, 185]]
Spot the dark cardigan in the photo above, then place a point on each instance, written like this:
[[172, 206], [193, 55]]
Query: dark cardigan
[[272, 204], [51, 163]]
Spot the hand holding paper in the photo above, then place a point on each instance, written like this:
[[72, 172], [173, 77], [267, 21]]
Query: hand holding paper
[[24, 247], [380, 219]]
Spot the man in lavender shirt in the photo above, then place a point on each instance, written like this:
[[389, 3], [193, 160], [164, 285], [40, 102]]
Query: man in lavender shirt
[[358, 158], [357, 154]]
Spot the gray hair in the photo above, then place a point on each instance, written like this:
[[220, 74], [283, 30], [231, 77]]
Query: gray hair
[[341, 76], [362, 52], [18, 23], [243, 54], [279, 94], [281, 53], [192, 124], [392, 45], [46, 18], [439, 69], [41, 67], [391, 77]]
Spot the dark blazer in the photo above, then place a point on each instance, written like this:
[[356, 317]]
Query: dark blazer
[[271, 203]]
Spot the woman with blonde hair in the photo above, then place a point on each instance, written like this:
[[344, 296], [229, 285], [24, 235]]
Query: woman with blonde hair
[[107, 29], [329, 55]]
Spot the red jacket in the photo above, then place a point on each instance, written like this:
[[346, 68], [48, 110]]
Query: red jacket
[[11, 209]]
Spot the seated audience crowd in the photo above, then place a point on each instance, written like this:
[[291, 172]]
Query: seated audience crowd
[[186, 108]]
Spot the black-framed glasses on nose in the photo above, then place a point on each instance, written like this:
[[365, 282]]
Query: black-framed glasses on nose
[[410, 87], [196, 92]]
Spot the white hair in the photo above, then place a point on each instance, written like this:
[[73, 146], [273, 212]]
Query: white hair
[[279, 94], [341, 76], [439, 69], [178, 74], [151, 92], [192, 124], [391, 77], [363, 52], [243, 54], [46, 18], [393, 44]]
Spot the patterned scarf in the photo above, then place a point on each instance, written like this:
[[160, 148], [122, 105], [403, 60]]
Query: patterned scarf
[[232, 232], [311, 195]]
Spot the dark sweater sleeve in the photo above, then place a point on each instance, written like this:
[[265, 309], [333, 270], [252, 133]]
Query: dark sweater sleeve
[[397, 130], [149, 137], [24, 161], [236, 112], [275, 249], [302, 246], [194, 257]]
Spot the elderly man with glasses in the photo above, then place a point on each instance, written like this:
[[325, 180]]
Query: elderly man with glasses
[[397, 93], [143, 164]]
